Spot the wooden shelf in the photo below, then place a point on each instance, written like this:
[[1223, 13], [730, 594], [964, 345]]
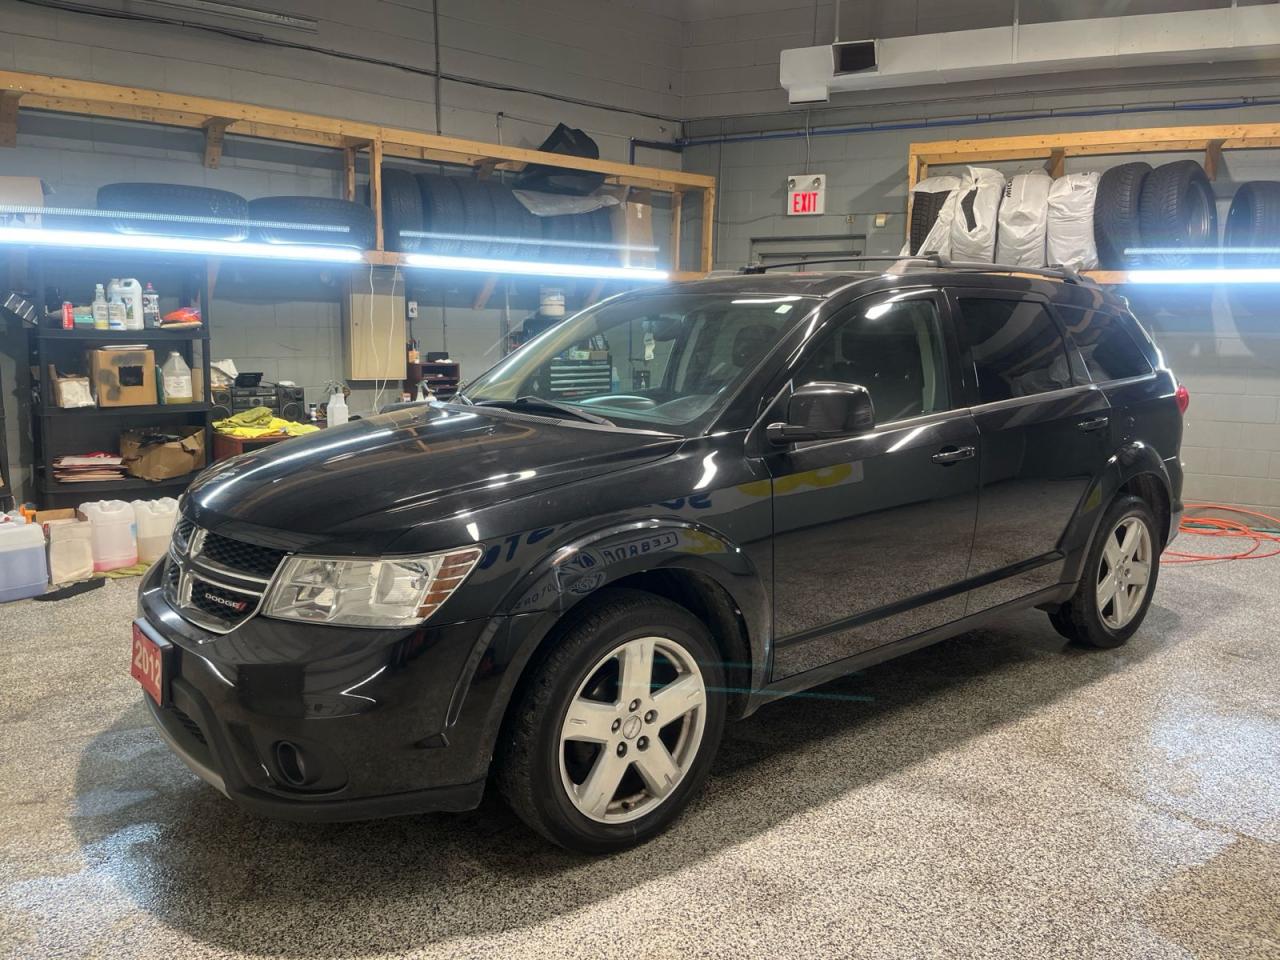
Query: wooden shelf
[[221, 118], [1055, 148]]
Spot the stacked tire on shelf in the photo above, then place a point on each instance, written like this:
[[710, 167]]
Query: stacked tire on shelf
[[472, 218], [1254, 222], [463, 217]]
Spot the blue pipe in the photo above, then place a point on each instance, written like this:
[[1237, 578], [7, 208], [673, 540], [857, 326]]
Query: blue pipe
[[872, 127]]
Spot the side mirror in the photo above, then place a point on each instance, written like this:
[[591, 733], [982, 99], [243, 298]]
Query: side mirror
[[825, 411]]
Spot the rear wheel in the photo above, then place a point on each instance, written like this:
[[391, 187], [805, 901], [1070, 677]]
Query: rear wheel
[[617, 729], [1120, 577]]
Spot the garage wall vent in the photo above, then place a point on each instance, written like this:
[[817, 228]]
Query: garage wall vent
[[812, 74]]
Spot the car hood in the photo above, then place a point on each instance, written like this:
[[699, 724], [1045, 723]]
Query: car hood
[[369, 485]]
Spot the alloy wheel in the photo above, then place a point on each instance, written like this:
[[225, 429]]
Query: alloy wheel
[[632, 730], [1124, 573]]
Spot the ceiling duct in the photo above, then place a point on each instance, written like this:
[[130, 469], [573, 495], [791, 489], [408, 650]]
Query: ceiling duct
[[812, 74]]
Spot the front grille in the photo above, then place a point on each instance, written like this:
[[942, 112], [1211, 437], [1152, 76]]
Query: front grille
[[214, 581], [240, 556], [219, 603], [189, 725]]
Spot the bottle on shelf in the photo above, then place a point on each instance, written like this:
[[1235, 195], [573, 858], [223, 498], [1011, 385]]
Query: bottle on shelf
[[101, 320], [175, 376], [150, 307], [131, 294], [115, 307], [337, 409]]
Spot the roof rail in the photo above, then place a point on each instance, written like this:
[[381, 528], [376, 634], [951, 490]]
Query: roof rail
[[902, 265]]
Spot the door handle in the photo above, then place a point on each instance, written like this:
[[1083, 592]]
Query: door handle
[[950, 455], [1097, 423]]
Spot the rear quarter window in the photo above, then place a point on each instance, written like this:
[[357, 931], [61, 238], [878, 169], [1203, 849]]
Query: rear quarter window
[[1107, 347]]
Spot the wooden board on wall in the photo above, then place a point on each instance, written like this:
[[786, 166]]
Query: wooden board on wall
[[374, 327]]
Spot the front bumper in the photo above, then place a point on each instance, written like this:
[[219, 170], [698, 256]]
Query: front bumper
[[326, 723]]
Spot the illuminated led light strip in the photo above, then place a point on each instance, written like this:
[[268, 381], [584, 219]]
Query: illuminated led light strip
[[532, 268], [577, 244], [85, 239], [1206, 276], [1198, 251], [11, 208]]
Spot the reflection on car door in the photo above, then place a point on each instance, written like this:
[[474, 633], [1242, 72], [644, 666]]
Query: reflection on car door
[[872, 533], [1044, 434]]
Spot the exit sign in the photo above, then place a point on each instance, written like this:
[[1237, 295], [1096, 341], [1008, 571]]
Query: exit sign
[[807, 195]]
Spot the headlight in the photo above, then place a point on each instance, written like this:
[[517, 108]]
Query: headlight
[[392, 592]]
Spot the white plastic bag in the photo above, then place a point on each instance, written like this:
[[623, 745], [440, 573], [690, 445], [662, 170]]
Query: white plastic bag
[[1070, 234], [973, 232], [938, 240], [1024, 220]]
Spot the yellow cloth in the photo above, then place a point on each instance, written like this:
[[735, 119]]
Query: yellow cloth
[[260, 422]]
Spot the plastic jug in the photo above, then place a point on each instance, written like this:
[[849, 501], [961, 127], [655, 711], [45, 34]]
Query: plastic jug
[[22, 569], [113, 534], [154, 520], [176, 377], [134, 308], [337, 410]]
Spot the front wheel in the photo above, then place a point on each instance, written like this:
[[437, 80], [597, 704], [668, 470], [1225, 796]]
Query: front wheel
[[1119, 580], [617, 728]]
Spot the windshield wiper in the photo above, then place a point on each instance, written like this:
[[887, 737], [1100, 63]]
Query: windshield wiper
[[520, 403]]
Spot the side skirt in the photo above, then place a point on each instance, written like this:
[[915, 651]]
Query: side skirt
[[840, 668]]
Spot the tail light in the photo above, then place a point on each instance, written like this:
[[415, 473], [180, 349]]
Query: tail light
[[1184, 399]]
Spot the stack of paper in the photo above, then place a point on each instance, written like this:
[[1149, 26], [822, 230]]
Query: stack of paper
[[89, 468]]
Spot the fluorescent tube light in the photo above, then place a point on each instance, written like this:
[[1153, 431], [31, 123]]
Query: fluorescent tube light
[[532, 268], [1206, 276], [89, 240], [235, 11], [521, 241]]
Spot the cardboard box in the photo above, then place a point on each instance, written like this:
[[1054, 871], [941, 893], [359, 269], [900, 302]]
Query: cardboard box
[[46, 517], [21, 192], [145, 458], [633, 226], [123, 378]]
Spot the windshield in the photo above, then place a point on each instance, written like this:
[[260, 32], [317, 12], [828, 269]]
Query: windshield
[[665, 362]]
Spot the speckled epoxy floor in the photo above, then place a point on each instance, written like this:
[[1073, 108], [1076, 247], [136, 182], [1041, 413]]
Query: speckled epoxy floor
[[997, 795]]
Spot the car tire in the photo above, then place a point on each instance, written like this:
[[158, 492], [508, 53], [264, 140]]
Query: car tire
[[511, 222], [322, 211], [177, 200], [441, 212], [556, 231], [1090, 617], [1117, 222], [544, 770], [478, 218], [925, 207], [401, 210], [1177, 209]]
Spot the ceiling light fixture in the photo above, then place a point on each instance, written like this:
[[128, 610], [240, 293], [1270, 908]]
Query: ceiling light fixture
[[528, 268], [89, 240]]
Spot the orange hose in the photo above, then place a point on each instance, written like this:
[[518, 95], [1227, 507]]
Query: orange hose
[[1206, 526]]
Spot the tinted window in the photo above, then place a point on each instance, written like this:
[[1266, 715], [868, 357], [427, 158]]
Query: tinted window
[[894, 349], [1109, 351], [1016, 347]]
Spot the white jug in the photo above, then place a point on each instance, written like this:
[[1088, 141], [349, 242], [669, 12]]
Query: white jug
[[113, 534], [155, 520]]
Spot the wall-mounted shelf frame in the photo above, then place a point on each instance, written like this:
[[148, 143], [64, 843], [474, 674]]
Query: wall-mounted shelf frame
[[219, 119], [1054, 149]]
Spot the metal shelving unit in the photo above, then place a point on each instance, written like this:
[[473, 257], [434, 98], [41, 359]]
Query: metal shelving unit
[[61, 431]]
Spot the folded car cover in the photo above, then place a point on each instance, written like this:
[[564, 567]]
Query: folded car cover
[[938, 239], [1070, 236], [973, 232], [1024, 220]]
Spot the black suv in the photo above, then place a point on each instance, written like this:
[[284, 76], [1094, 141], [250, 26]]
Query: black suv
[[665, 511]]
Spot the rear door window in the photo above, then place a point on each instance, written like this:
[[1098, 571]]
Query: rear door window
[[1108, 349], [1016, 347]]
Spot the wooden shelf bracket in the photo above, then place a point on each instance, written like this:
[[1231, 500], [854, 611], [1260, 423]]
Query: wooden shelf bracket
[[215, 131]]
